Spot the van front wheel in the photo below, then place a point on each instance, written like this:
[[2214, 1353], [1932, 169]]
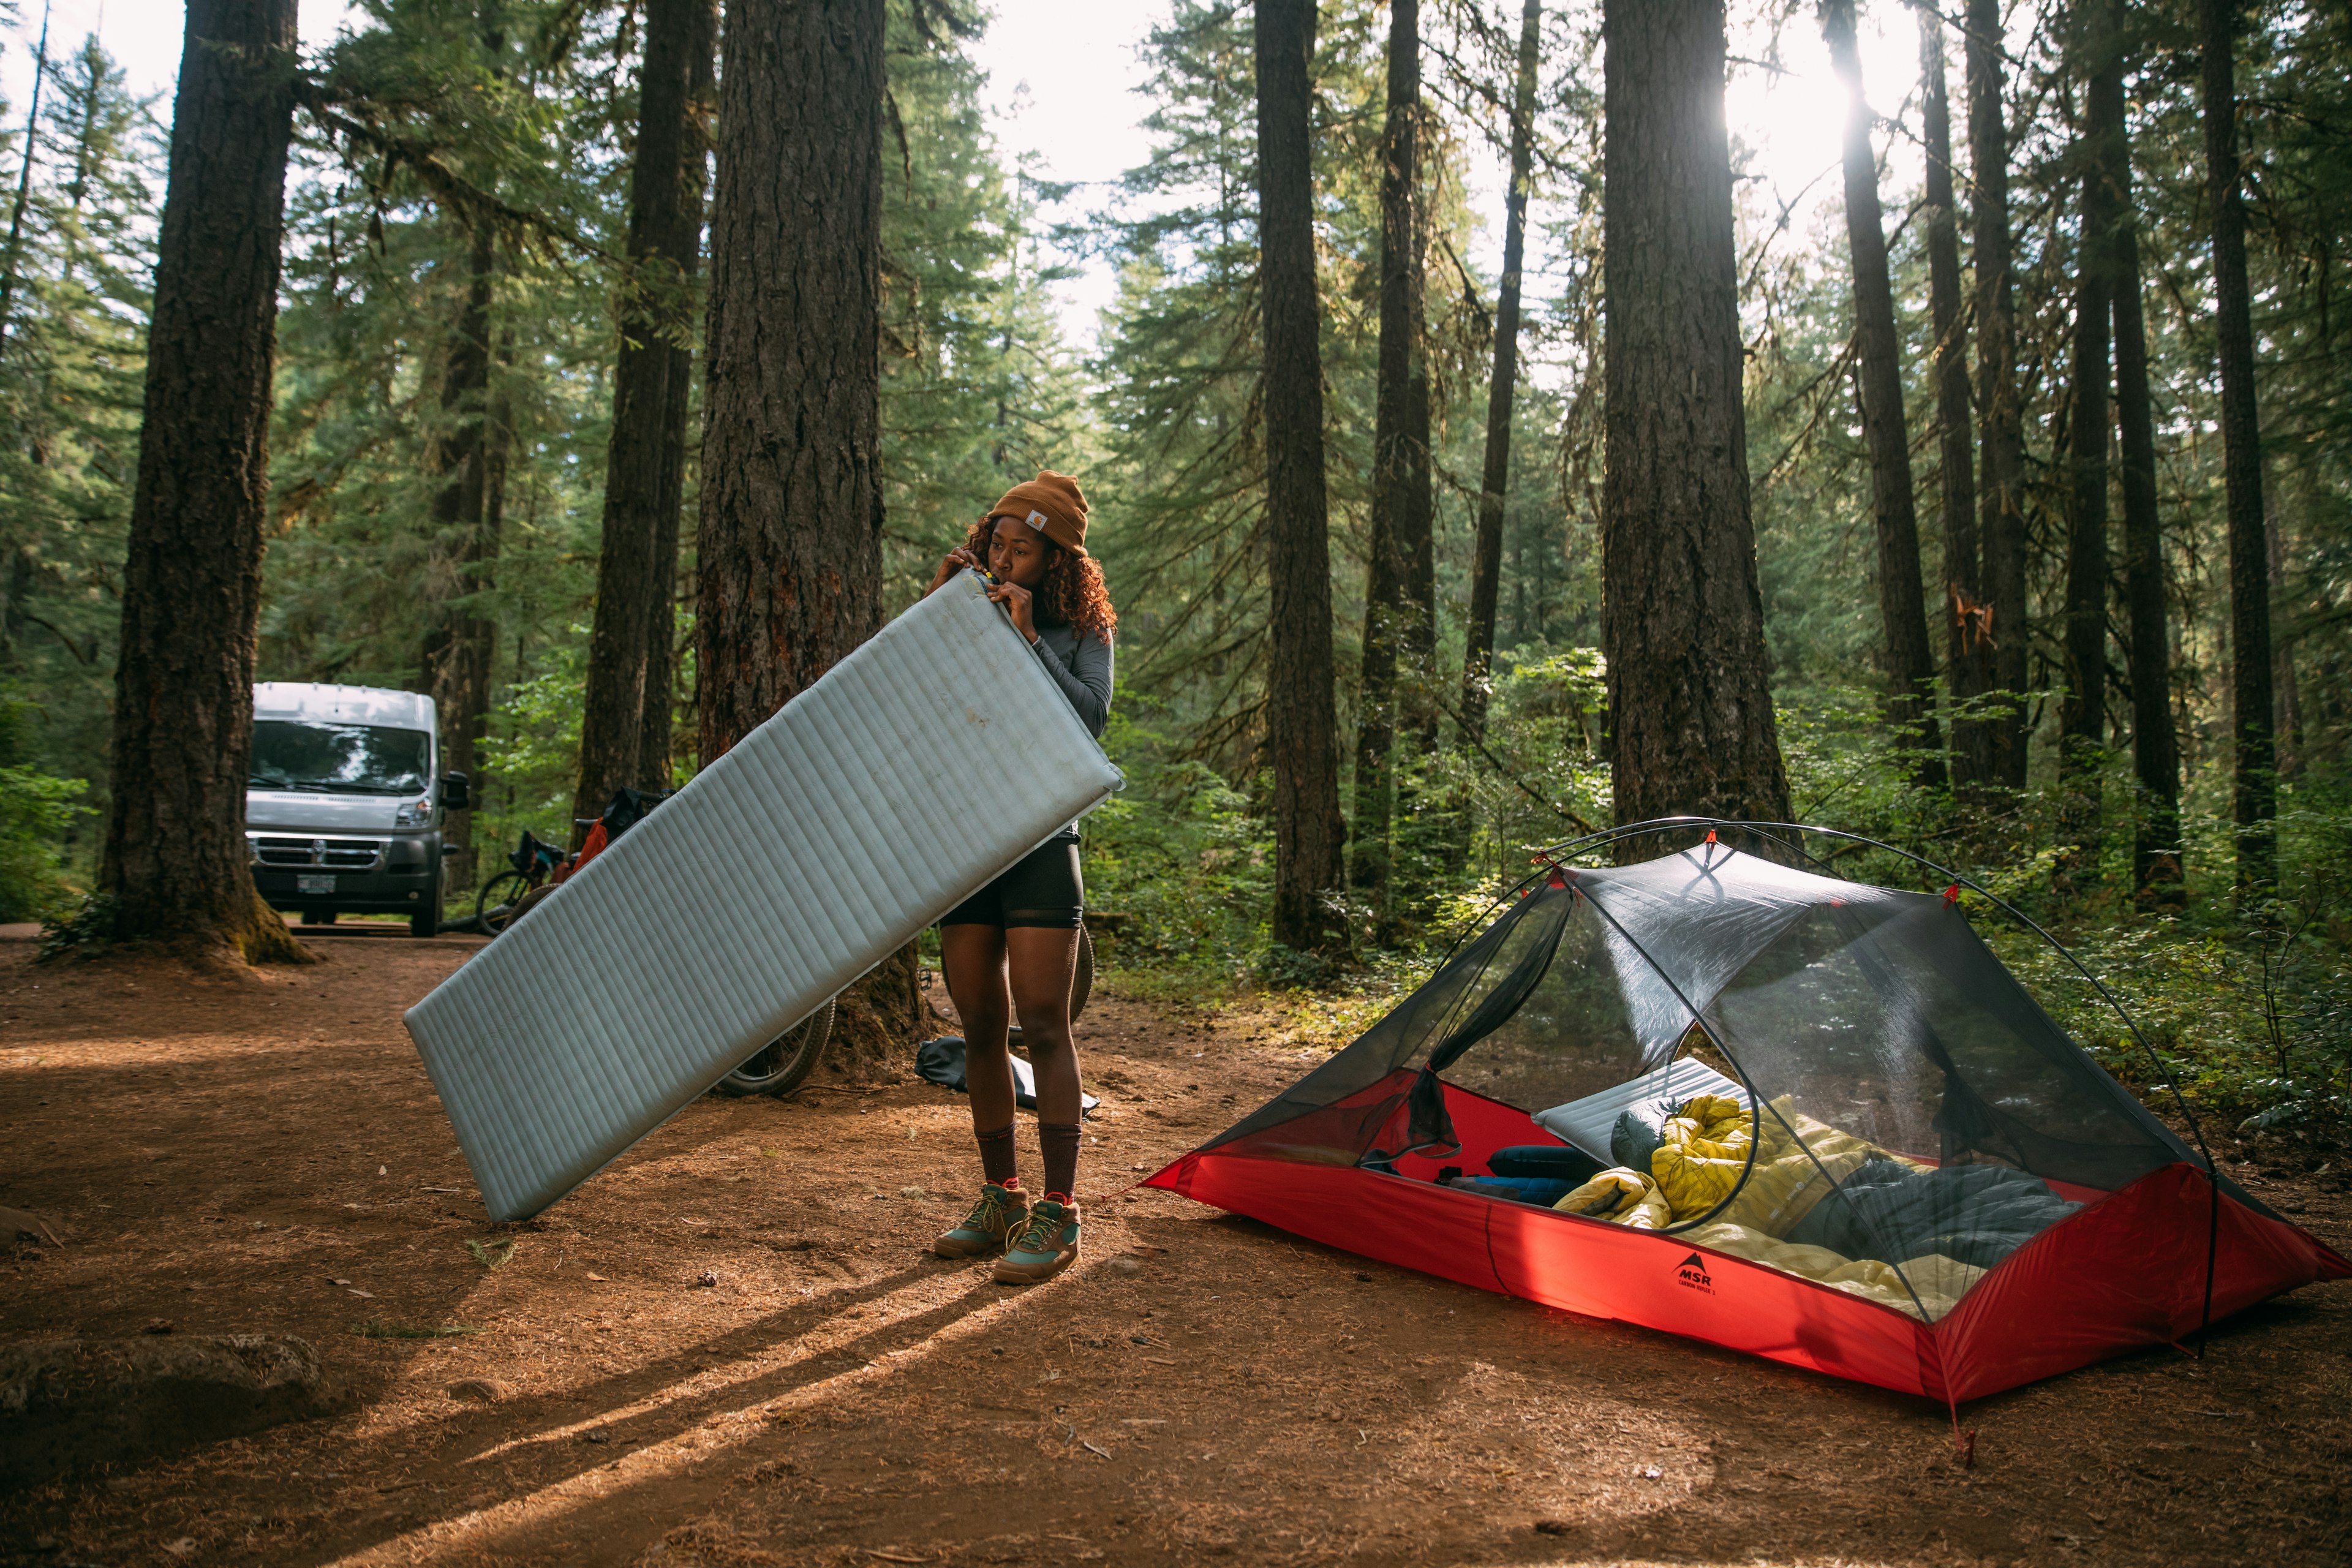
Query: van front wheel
[[426, 922]]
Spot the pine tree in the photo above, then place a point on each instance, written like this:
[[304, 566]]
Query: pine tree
[[2255, 794], [2157, 869], [1398, 596], [1301, 732], [70, 388], [1879, 380], [2089, 428], [176, 864], [1495, 471], [625, 715], [2000, 417], [1967, 652], [1691, 716]]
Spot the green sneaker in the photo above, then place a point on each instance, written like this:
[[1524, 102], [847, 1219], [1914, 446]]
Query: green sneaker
[[1000, 1214], [1043, 1247]]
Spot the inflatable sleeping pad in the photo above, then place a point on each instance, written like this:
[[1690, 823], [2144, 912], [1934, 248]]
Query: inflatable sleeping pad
[[920, 767]]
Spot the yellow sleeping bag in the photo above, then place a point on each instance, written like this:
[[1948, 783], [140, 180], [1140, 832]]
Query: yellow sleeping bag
[[1937, 1282], [1705, 1154], [1700, 1164], [1626, 1197]]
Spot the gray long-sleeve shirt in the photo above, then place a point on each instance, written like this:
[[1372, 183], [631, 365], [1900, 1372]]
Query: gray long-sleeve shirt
[[1080, 665]]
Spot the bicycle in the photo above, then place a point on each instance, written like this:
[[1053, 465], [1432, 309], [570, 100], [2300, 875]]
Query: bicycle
[[504, 896], [540, 868]]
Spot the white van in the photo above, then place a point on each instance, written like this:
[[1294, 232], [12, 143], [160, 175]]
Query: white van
[[344, 802]]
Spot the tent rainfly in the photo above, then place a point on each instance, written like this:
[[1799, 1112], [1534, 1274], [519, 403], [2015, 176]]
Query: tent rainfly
[[1804, 1118]]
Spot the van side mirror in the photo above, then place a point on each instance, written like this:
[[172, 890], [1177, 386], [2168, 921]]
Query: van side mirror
[[457, 794]]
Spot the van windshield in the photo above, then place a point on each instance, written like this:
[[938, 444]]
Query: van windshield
[[360, 758]]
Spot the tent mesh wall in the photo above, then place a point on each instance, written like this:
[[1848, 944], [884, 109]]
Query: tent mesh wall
[[1899, 1114]]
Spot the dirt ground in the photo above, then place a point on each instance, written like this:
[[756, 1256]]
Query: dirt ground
[[266, 1155]]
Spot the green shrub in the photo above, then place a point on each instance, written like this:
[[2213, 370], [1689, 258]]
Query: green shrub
[[36, 810], [1179, 855]]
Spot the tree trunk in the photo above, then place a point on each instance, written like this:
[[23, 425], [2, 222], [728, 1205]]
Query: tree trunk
[[9, 269], [791, 538], [1683, 622], [2256, 791], [176, 865], [2157, 869], [2000, 417], [1878, 379], [1301, 728], [1486, 564], [657, 710], [2083, 713], [628, 698], [462, 644], [1397, 595], [2289, 717], [1968, 655], [790, 519]]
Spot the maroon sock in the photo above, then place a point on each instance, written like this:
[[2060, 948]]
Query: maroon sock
[[996, 1162], [1058, 1140]]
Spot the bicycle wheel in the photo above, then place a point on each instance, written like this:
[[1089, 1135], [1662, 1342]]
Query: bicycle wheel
[[494, 910], [780, 1065], [1082, 983]]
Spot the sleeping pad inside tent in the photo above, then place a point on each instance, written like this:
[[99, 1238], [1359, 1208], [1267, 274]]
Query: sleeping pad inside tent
[[1804, 1118]]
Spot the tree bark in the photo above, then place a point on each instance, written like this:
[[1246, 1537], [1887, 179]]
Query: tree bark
[[1968, 655], [461, 645], [2255, 794], [1879, 380], [2083, 713], [1999, 416], [8, 270], [1495, 476], [1302, 730], [176, 865], [628, 694], [1399, 595], [791, 536], [2156, 851], [658, 712], [2288, 720], [1683, 622]]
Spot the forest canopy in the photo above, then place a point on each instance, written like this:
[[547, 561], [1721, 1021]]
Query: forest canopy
[[1982, 386]]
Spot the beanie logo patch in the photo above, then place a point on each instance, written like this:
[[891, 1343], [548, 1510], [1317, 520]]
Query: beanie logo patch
[[1035, 520]]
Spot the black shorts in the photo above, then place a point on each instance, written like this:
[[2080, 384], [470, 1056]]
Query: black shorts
[[1043, 890]]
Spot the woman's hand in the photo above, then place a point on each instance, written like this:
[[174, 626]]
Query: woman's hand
[[1015, 599], [956, 559]]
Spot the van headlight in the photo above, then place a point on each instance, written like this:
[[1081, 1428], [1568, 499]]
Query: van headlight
[[415, 813]]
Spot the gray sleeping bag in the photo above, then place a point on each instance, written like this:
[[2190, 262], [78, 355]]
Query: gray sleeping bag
[[1977, 1214]]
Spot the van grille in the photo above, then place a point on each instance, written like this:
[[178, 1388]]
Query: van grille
[[341, 854]]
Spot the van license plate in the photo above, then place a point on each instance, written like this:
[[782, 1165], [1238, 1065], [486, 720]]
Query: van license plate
[[314, 884]]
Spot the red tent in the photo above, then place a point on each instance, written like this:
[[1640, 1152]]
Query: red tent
[[1805, 1118]]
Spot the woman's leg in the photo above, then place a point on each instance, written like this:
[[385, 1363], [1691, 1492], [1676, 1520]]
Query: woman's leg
[[971, 958], [1042, 962]]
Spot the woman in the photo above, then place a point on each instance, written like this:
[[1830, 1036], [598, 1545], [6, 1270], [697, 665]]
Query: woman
[[1013, 947]]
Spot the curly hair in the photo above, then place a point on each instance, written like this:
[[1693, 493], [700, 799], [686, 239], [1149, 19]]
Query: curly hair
[[1072, 589]]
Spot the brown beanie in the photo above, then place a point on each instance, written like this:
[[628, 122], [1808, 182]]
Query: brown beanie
[[1051, 503]]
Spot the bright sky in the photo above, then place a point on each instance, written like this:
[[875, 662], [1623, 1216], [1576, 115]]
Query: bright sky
[[144, 37], [1063, 74]]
